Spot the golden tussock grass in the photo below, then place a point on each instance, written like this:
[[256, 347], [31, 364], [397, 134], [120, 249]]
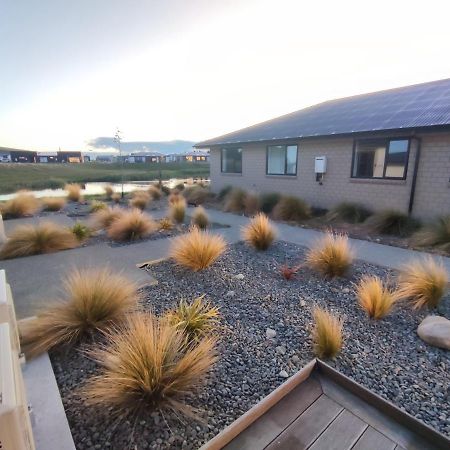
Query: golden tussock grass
[[73, 192], [423, 283], [259, 232], [140, 200], [132, 225], [147, 365], [177, 210], [235, 201], [291, 209], [93, 300], [375, 297], [154, 192], [165, 223], [197, 249], [252, 203], [174, 197], [105, 217], [436, 234], [23, 204], [116, 197], [327, 333], [196, 195], [109, 191], [200, 218], [331, 256], [53, 203], [46, 237]]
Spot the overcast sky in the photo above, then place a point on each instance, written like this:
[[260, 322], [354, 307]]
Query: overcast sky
[[71, 71]]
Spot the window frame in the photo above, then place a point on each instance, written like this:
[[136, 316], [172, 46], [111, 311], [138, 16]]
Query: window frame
[[285, 174], [221, 160], [387, 142]]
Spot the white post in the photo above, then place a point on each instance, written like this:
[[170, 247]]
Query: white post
[[2, 231]]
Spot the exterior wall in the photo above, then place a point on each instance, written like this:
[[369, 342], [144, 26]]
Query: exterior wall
[[338, 185]]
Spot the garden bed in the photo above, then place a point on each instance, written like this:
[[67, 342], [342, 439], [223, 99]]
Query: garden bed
[[386, 356]]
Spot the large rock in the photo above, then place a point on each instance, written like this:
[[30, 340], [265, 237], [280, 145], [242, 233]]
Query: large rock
[[435, 330]]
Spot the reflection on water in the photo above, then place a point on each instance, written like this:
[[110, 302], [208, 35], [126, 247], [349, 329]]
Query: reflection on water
[[98, 188]]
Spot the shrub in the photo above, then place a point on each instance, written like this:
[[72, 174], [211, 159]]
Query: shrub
[[195, 319], [196, 195], [374, 297], [288, 272], [23, 204], [331, 257], [174, 197], [434, 235], [165, 223], [140, 200], [116, 197], [327, 333], [259, 233], [392, 222], [291, 209], [269, 201], [154, 192], [131, 225], [179, 187], [197, 249], [97, 206], [423, 283], [73, 192], [251, 204], [234, 201], [223, 193], [103, 218], [165, 190], [93, 300], [81, 231], [147, 365], [200, 218], [53, 203], [349, 212], [46, 237], [109, 191], [177, 210]]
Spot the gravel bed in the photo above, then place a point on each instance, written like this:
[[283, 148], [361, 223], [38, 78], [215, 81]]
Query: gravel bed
[[385, 356]]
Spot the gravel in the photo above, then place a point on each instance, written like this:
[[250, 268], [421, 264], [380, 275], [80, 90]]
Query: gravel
[[265, 336]]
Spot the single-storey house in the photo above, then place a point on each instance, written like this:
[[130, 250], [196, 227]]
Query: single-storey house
[[67, 156], [385, 150], [47, 157]]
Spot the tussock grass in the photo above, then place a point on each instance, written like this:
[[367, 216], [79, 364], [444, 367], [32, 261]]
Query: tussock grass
[[93, 300], [22, 205], [196, 195], [423, 283], [375, 297], [268, 201], [174, 197], [291, 209], [73, 192], [235, 201], [177, 210], [331, 256], [46, 237], [436, 234], [96, 206], [53, 203], [132, 225], [251, 204], [197, 249], [327, 333], [109, 191], [148, 365], [81, 231], [200, 218], [116, 197], [392, 222], [154, 192], [105, 217], [349, 212], [196, 319], [259, 232], [140, 200], [224, 192], [165, 223]]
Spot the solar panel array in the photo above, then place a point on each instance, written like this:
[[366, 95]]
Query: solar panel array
[[421, 105]]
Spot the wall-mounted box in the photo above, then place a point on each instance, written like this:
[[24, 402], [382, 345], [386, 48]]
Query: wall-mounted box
[[320, 164]]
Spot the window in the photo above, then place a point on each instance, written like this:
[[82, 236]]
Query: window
[[282, 160], [380, 158], [231, 160]]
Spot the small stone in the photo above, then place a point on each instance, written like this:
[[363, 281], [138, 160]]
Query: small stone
[[345, 290], [283, 374], [435, 330], [295, 359], [270, 334], [239, 276], [281, 350], [231, 294], [302, 303]]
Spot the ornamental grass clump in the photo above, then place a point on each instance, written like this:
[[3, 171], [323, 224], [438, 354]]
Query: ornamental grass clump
[[109, 191], [154, 192], [197, 249], [105, 217], [174, 197], [93, 300], [196, 195], [259, 232], [423, 283], [327, 333], [165, 224], [146, 365], [348, 212], [251, 204], [116, 197], [268, 202], [291, 209], [22, 205], [196, 319], [436, 234], [53, 203], [177, 210], [392, 222], [375, 297], [46, 237], [96, 206], [235, 201], [331, 256], [73, 192], [200, 218], [81, 231], [132, 225], [140, 200]]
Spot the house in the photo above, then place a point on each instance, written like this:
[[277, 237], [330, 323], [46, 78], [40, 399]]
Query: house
[[5, 156], [70, 157], [23, 156], [144, 157], [195, 156], [385, 150], [47, 157]]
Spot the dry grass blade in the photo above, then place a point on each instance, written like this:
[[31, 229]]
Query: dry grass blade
[[165, 224], [177, 210], [423, 283], [291, 209], [331, 256], [73, 192], [132, 225], [116, 197], [46, 237], [197, 249], [53, 203], [23, 204], [174, 197], [196, 195], [374, 297], [93, 299], [105, 217], [259, 233], [200, 218], [147, 365], [327, 333], [436, 234]]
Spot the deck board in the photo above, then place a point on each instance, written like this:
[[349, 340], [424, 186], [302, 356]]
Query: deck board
[[372, 439]]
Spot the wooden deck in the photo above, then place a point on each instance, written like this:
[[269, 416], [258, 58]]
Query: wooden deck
[[327, 411]]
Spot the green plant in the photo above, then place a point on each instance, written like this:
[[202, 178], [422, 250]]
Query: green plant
[[327, 333], [375, 297], [349, 212], [165, 190], [423, 283], [179, 186], [132, 225], [235, 201], [392, 222], [177, 210], [81, 231], [96, 206], [435, 234], [73, 192], [165, 223], [53, 203], [23, 204], [259, 232], [224, 192], [291, 209], [93, 300], [200, 218], [268, 202]]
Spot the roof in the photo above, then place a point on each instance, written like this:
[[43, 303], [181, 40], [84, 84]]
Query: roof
[[409, 107]]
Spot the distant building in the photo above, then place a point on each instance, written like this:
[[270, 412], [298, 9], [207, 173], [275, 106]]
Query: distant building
[[23, 156], [70, 157], [47, 157], [5, 156], [196, 156], [144, 157]]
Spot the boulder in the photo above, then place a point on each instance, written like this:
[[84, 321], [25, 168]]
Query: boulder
[[435, 330]]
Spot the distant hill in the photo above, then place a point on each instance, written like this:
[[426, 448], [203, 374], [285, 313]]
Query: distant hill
[[108, 144]]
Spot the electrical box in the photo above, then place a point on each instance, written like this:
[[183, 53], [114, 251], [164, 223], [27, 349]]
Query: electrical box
[[320, 164]]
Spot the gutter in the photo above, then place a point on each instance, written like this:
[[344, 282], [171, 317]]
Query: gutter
[[414, 179]]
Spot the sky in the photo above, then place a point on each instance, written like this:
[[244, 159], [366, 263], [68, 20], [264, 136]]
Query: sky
[[71, 71]]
